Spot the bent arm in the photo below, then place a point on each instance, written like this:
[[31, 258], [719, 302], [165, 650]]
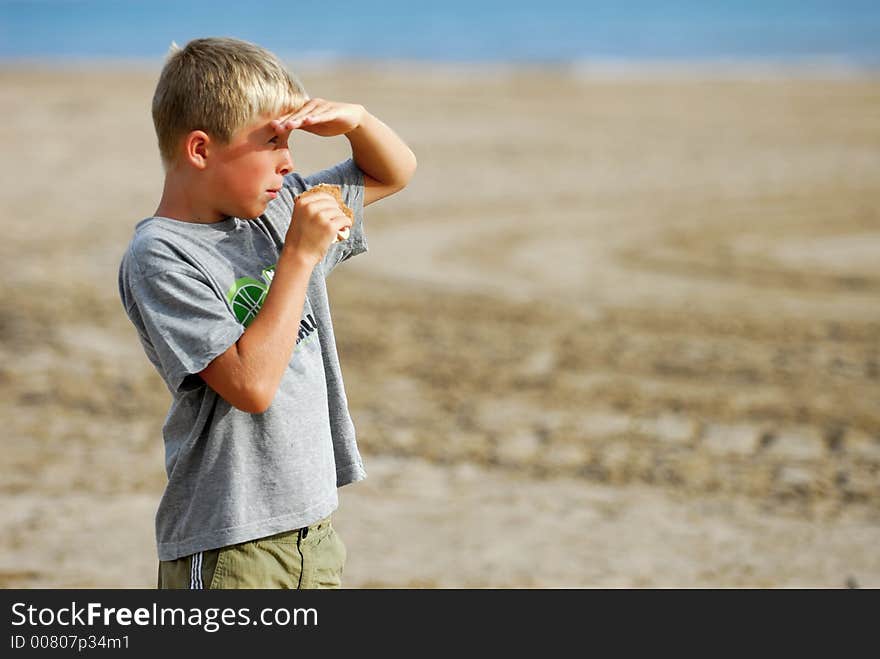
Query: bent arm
[[387, 162], [247, 375]]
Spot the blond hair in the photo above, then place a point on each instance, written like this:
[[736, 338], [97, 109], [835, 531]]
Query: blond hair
[[219, 85]]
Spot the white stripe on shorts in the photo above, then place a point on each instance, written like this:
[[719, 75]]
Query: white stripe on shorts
[[195, 575]]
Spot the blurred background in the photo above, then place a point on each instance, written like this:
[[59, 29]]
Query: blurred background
[[621, 330]]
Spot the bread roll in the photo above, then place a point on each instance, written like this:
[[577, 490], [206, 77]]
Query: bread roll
[[336, 192]]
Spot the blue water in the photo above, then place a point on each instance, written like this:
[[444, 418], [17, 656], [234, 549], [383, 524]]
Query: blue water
[[847, 31]]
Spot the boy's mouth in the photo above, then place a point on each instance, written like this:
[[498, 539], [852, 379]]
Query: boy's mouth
[[272, 193]]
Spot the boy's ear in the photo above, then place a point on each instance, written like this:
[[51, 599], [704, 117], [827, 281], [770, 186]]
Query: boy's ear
[[195, 146]]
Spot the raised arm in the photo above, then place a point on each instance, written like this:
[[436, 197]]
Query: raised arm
[[387, 162], [247, 375]]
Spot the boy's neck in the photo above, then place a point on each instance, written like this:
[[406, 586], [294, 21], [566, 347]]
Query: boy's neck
[[178, 202]]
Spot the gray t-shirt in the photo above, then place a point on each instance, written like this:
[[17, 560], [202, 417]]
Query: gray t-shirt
[[190, 290]]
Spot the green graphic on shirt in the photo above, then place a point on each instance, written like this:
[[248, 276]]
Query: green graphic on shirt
[[246, 297], [247, 294]]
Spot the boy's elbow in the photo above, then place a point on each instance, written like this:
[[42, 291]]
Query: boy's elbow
[[255, 399], [250, 407], [232, 381], [410, 169], [250, 397], [405, 174], [404, 170]]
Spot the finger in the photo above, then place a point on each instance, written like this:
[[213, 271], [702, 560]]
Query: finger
[[319, 108], [343, 220], [310, 106], [328, 207], [315, 104], [318, 200], [285, 125], [307, 107], [319, 118], [280, 128]]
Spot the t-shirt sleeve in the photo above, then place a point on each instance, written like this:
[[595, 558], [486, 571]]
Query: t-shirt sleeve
[[349, 177], [186, 323]]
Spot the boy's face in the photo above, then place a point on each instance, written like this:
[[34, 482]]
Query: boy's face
[[247, 173]]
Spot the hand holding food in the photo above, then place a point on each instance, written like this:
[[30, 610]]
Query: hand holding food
[[335, 192]]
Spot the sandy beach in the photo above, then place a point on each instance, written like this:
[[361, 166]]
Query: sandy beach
[[620, 331]]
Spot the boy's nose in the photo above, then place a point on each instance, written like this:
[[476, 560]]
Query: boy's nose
[[286, 164]]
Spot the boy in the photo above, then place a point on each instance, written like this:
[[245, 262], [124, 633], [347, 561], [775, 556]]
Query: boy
[[225, 285]]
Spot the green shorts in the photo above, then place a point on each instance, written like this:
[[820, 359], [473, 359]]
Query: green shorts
[[310, 557]]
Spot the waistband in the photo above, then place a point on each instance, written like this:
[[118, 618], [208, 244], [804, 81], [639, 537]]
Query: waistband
[[300, 533], [320, 525]]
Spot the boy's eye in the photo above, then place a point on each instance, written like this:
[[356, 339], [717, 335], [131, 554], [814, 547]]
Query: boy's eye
[[274, 140]]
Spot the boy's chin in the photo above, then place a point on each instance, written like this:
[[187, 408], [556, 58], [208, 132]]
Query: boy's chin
[[252, 213], [248, 210]]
